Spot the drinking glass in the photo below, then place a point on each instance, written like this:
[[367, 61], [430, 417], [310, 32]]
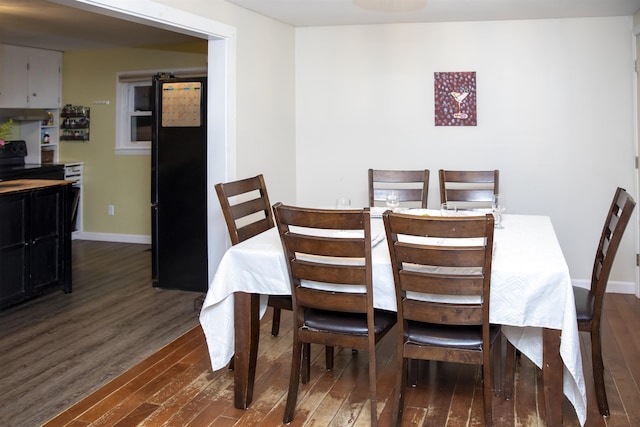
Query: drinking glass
[[393, 200], [343, 203], [498, 209], [448, 209]]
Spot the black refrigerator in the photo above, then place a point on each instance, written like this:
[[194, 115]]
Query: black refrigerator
[[179, 183]]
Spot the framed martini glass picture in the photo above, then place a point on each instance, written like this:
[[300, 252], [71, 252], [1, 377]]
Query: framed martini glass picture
[[455, 98]]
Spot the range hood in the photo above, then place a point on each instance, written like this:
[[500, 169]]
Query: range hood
[[24, 114]]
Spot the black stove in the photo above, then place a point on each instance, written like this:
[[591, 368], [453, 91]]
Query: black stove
[[13, 166]]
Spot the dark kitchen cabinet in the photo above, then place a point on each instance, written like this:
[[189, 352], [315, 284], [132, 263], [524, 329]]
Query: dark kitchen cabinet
[[35, 240]]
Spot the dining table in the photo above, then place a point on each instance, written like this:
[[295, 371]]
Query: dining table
[[531, 297]]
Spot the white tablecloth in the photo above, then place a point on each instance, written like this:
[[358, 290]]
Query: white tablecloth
[[530, 290]]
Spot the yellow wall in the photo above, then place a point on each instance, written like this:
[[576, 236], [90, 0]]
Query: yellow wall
[[110, 179]]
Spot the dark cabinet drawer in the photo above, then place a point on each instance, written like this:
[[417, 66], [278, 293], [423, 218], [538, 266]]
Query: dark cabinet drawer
[[14, 263]]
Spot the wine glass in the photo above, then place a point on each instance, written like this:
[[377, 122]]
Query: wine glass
[[448, 209], [392, 200], [498, 209], [343, 203]]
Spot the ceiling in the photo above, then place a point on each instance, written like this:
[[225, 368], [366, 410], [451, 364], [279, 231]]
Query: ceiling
[[304, 13], [49, 25]]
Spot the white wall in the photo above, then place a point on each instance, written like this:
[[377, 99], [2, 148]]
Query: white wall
[[555, 116]]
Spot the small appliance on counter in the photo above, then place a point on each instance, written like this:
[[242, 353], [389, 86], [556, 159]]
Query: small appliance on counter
[[46, 156]]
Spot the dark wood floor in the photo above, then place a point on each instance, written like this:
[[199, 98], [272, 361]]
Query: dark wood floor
[[62, 349], [175, 387], [56, 349]]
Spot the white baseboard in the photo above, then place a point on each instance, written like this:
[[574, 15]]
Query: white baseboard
[[612, 287], [109, 237]]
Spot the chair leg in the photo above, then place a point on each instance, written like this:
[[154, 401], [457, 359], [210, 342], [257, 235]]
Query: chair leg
[[294, 380], [413, 372], [306, 363], [598, 372], [373, 394], [328, 357], [487, 389], [401, 384], [275, 326], [497, 365], [246, 347], [509, 370], [198, 302]]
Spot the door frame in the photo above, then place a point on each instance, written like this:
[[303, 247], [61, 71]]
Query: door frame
[[221, 105], [636, 116]]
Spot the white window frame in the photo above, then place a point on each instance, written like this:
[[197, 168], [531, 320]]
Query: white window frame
[[126, 81]]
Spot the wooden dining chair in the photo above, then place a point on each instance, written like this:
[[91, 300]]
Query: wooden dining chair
[[442, 292], [411, 186], [589, 301], [328, 254], [247, 212], [469, 189]]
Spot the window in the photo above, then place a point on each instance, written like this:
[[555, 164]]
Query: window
[[133, 122], [134, 108], [140, 114]]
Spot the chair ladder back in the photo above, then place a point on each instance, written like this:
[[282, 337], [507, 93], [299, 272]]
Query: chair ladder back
[[617, 220], [445, 227], [324, 256], [464, 195], [334, 301], [434, 255], [327, 219], [326, 245], [469, 186], [404, 195], [245, 207], [409, 185], [428, 267], [253, 229], [467, 285], [441, 313], [329, 273]]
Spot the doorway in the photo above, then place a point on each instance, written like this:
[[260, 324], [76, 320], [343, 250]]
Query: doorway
[[221, 92]]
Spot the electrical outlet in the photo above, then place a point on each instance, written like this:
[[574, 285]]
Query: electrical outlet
[[112, 210]]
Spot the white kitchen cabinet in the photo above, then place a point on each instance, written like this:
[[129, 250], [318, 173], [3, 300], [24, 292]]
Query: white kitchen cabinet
[[29, 77], [13, 82], [44, 88]]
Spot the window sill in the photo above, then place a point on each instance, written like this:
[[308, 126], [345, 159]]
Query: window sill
[[133, 151]]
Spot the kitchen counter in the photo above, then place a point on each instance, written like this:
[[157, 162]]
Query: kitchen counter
[[35, 228], [21, 185], [32, 171]]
